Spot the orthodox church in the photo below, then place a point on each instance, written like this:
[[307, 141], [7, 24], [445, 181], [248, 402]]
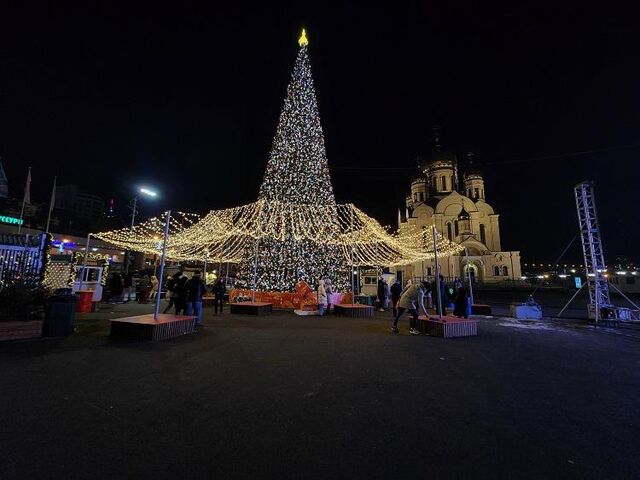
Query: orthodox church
[[459, 210]]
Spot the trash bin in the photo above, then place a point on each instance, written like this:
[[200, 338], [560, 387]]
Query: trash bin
[[61, 314], [85, 299]]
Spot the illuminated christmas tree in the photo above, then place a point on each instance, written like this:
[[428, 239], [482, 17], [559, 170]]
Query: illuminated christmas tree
[[297, 174], [295, 230]]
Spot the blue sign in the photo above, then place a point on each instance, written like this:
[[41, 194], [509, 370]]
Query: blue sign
[[578, 281]]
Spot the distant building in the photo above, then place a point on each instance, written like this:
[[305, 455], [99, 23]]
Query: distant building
[[4, 183], [82, 205], [459, 211]]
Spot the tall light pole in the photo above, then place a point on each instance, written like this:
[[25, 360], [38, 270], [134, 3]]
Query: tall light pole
[[144, 191]]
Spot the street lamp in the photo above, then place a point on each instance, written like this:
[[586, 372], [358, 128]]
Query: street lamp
[[144, 191]]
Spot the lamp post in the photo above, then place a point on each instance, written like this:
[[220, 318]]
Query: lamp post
[[144, 191]]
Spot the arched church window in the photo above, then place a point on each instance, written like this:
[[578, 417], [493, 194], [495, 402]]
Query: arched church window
[[444, 182], [449, 236], [421, 196], [505, 271], [456, 228], [483, 234], [496, 271], [415, 197], [476, 191]]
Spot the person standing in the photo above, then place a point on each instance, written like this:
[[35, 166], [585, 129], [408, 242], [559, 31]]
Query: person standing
[[412, 299], [145, 288], [460, 309], [154, 285], [181, 294], [329, 290], [443, 295], [128, 286], [396, 291], [322, 297], [381, 294], [219, 289], [171, 289], [195, 288]]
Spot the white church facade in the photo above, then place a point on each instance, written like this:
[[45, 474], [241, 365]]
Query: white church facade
[[459, 210]]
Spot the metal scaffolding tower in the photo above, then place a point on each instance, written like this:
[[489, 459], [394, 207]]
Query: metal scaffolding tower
[[592, 250]]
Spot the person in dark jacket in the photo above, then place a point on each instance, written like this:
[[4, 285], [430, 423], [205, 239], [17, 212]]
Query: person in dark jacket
[[396, 291], [460, 309], [195, 288], [181, 294], [381, 294], [172, 283], [219, 289]]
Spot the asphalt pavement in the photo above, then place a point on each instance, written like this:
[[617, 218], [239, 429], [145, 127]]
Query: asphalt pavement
[[283, 396]]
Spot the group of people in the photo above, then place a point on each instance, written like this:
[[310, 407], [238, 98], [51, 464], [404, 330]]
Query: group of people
[[418, 297], [126, 289], [185, 294], [324, 292]]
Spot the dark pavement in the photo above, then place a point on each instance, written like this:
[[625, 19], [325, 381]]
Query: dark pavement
[[308, 397]]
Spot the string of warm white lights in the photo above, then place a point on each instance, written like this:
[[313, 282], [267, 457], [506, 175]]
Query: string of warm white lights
[[224, 234], [296, 230]]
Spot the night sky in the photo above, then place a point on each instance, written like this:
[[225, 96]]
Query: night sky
[[186, 99]]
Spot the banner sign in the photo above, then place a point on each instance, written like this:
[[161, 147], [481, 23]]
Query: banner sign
[[11, 220]]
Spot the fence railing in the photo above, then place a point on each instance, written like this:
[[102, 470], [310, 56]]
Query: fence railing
[[22, 258]]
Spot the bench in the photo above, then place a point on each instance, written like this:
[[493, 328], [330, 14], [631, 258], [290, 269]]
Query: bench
[[447, 327], [353, 310], [145, 328], [251, 308]]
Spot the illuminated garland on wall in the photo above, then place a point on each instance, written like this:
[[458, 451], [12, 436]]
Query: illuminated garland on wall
[[295, 229]]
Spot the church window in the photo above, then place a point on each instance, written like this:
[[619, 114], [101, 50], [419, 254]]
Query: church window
[[482, 193], [505, 271], [415, 197], [469, 193], [456, 228], [476, 192], [421, 196], [483, 234], [449, 231], [428, 271], [444, 182], [496, 271]]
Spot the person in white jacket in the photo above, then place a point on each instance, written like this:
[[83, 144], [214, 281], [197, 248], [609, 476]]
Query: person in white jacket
[[322, 297]]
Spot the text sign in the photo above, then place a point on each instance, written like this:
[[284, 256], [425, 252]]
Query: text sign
[[11, 220]]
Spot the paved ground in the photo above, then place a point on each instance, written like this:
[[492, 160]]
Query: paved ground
[[308, 397]]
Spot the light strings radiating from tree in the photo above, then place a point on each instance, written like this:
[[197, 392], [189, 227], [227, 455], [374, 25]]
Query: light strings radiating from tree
[[295, 230]]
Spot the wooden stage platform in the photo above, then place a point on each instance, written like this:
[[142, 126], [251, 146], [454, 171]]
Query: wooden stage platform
[[451, 327], [354, 310], [251, 308], [146, 328]]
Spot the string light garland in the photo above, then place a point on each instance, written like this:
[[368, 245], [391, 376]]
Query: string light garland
[[295, 230]]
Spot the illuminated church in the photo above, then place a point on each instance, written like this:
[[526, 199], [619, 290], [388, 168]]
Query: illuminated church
[[457, 205]]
